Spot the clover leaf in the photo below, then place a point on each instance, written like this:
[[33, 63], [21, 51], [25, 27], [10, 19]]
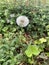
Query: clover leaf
[[32, 50]]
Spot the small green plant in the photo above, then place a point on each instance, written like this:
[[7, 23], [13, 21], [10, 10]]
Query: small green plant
[[32, 50]]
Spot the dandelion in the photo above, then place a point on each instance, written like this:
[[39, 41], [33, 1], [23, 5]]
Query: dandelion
[[12, 15], [22, 21]]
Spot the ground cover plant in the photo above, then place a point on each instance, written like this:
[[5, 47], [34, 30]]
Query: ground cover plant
[[24, 45]]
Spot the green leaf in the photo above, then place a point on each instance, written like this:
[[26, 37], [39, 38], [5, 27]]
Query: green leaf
[[47, 53], [43, 16], [37, 42], [42, 40], [32, 50], [5, 29], [31, 61], [29, 51], [47, 27], [35, 50], [2, 60], [48, 33]]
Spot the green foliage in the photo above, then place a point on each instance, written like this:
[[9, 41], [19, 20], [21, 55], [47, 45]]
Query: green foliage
[[24, 45]]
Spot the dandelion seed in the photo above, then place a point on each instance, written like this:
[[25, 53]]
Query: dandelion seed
[[12, 15]]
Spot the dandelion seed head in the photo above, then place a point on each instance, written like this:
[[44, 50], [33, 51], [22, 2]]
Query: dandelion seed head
[[22, 21]]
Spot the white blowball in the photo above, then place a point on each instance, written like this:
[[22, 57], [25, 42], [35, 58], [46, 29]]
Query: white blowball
[[22, 21]]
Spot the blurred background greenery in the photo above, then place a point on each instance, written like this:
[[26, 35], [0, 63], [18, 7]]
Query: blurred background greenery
[[33, 2]]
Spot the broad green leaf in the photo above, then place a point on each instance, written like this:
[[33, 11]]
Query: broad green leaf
[[32, 50], [29, 51], [42, 40], [37, 42]]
